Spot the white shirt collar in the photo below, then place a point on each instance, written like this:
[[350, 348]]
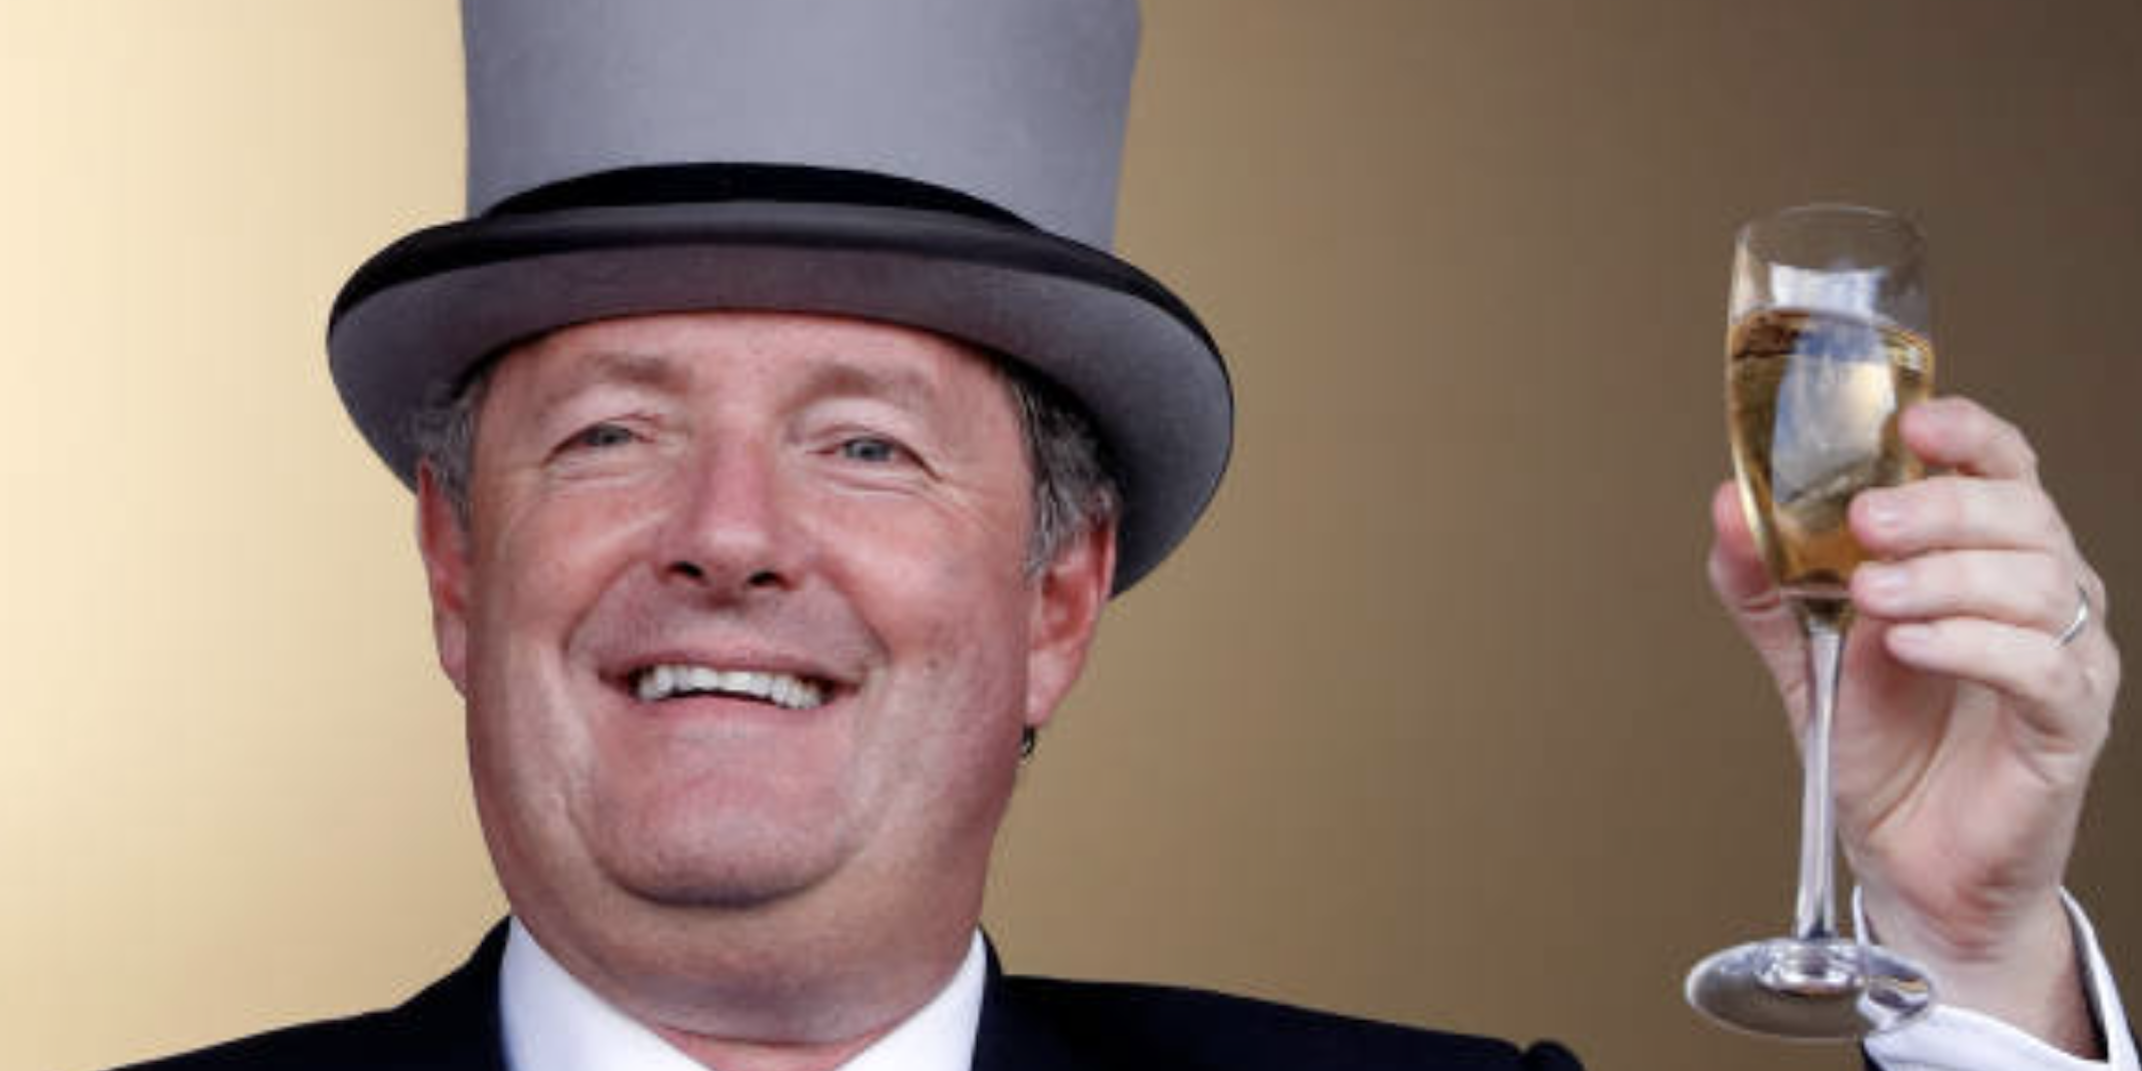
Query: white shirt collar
[[552, 1022]]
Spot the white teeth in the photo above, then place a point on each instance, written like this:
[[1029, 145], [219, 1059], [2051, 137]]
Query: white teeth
[[657, 683]]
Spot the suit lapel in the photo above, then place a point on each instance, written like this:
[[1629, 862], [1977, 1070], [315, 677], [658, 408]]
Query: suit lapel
[[453, 1025], [1014, 1034]]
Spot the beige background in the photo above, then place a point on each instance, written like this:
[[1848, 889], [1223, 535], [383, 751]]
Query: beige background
[[1433, 721]]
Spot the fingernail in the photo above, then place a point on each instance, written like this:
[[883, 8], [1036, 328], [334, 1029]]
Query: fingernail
[[1911, 637], [1884, 582], [1882, 514]]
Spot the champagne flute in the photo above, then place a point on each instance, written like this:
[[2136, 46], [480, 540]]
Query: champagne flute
[[1828, 342]]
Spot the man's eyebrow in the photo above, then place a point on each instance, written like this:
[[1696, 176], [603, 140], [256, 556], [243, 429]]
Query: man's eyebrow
[[637, 369], [843, 378], [613, 368]]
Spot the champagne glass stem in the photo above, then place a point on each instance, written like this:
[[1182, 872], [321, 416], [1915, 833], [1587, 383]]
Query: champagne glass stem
[[1815, 913]]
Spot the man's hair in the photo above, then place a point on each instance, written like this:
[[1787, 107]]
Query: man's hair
[[1075, 488]]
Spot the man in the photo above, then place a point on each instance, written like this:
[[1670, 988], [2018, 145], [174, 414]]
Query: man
[[778, 433]]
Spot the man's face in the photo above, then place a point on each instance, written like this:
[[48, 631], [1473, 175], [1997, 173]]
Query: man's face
[[742, 620]]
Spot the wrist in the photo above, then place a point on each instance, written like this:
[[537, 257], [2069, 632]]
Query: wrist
[[2025, 973]]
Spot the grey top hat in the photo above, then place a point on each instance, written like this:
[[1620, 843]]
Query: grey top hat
[[945, 164]]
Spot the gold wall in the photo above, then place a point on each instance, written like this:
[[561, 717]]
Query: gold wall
[[1433, 721]]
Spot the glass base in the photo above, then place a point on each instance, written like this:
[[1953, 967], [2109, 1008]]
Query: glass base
[[1828, 990]]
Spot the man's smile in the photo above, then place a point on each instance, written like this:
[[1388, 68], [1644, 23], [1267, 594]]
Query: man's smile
[[664, 681]]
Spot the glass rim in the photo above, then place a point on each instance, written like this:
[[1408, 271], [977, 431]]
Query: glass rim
[[1851, 259], [1897, 222]]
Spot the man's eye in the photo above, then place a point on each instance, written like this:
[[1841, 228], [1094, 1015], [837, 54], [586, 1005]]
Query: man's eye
[[870, 449], [600, 436]]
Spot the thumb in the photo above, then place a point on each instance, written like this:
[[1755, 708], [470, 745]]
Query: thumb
[[1750, 597]]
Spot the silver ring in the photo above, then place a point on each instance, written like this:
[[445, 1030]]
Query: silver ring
[[2080, 621]]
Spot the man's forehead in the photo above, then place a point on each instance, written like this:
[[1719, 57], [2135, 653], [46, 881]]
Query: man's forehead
[[668, 351]]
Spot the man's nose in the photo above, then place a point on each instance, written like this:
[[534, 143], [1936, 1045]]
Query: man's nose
[[729, 531]]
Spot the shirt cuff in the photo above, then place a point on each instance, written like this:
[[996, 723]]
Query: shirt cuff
[[1953, 1039]]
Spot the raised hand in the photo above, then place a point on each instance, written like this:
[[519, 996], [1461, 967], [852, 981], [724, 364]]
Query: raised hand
[[1971, 713]]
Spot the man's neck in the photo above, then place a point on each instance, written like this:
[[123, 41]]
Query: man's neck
[[555, 1021]]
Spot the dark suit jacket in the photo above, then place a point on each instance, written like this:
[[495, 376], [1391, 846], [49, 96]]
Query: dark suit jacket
[[1028, 1024]]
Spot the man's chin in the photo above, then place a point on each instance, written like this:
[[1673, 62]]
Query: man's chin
[[719, 875], [729, 894]]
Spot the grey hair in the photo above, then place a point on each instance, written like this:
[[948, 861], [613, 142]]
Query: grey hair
[[445, 440], [1075, 487]]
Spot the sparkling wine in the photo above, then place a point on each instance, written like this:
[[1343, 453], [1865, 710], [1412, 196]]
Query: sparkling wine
[[1812, 399]]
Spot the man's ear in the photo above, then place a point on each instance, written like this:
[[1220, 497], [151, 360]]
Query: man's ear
[[1068, 596], [443, 540]]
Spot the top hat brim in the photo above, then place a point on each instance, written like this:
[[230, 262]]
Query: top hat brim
[[420, 317]]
